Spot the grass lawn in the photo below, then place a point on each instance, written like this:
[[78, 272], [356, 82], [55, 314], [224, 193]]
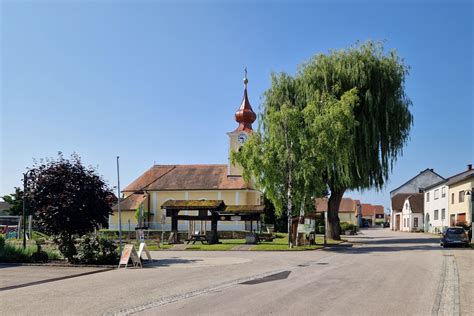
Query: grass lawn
[[278, 244], [226, 244], [281, 243]]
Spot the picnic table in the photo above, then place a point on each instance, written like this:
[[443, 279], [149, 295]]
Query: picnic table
[[197, 237]]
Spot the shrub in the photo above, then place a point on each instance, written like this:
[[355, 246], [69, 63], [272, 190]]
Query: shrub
[[2, 242], [97, 250], [348, 226], [16, 254]]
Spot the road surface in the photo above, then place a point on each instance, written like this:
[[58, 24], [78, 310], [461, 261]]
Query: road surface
[[380, 273]]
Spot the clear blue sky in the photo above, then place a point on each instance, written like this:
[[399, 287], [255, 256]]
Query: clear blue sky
[[156, 81]]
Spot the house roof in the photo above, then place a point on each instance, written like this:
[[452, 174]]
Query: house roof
[[417, 202], [347, 205], [186, 177], [434, 185], [193, 205], [244, 209], [131, 202], [398, 200], [370, 210], [427, 170], [460, 177]]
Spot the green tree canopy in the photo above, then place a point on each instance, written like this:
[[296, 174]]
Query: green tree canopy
[[16, 201], [295, 141], [340, 123]]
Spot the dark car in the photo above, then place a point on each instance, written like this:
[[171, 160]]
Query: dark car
[[454, 236]]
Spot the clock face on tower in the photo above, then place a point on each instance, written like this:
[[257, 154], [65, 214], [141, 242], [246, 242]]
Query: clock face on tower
[[242, 138]]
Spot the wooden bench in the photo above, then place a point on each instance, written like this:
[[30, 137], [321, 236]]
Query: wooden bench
[[194, 238], [265, 237]]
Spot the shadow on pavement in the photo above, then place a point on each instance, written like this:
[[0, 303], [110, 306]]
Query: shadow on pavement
[[170, 262], [374, 248], [431, 240], [274, 277]]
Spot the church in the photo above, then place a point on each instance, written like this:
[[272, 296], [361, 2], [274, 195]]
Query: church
[[162, 183]]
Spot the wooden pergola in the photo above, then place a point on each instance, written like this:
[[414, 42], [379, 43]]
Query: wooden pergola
[[209, 210]]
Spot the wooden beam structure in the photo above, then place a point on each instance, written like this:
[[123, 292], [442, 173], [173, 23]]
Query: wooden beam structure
[[209, 210]]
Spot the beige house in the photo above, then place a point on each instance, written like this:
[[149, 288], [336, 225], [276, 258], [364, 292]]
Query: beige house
[[161, 183], [348, 209], [460, 197]]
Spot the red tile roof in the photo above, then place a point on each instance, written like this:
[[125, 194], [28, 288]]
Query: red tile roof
[[398, 200], [187, 177], [417, 202], [370, 210], [131, 202], [347, 205]]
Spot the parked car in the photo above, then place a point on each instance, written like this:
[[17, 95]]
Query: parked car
[[454, 236]]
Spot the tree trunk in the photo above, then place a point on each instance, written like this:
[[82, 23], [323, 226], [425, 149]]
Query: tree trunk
[[334, 229]]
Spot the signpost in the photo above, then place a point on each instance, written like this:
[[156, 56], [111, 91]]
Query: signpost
[[129, 252]]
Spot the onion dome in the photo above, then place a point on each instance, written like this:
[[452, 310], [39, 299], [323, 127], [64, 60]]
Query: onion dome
[[245, 115]]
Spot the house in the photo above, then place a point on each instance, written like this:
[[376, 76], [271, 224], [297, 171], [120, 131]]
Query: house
[[373, 214], [398, 203], [436, 207], [162, 183], [460, 197], [412, 213], [416, 184], [348, 209], [424, 179]]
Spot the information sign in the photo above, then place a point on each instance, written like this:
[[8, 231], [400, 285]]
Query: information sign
[[128, 253]]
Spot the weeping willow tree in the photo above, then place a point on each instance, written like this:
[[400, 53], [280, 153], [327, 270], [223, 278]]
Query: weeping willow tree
[[340, 123], [299, 134], [382, 114]]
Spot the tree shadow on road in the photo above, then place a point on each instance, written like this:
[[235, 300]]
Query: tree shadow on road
[[170, 262], [389, 245]]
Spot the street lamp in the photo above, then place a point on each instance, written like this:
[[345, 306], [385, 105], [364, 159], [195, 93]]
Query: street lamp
[[470, 210]]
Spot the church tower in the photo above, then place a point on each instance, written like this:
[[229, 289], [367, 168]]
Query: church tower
[[245, 116]]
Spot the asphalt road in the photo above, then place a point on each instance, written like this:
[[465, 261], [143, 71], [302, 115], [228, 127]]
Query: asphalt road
[[380, 273]]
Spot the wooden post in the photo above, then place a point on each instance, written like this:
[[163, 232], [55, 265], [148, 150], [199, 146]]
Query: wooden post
[[214, 238], [174, 237]]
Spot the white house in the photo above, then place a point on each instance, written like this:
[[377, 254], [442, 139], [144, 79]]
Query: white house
[[422, 180], [436, 207], [412, 213]]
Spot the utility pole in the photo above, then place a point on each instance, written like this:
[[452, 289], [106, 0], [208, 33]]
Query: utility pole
[[24, 208], [118, 206]]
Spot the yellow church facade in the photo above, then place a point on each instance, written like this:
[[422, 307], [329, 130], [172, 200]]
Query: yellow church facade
[[162, 183]]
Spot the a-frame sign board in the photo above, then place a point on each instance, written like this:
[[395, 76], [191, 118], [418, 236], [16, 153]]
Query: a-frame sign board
[[128, 253], [142, 248]]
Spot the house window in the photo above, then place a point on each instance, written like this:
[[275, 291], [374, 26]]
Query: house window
[[443, 192], [406, 206], [436, 214], [452, 198], [415, 222], [461, 196], [428, 197], [443, 213], [436, 194]]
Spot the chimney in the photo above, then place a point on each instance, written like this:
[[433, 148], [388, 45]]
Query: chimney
[[469, 167]]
